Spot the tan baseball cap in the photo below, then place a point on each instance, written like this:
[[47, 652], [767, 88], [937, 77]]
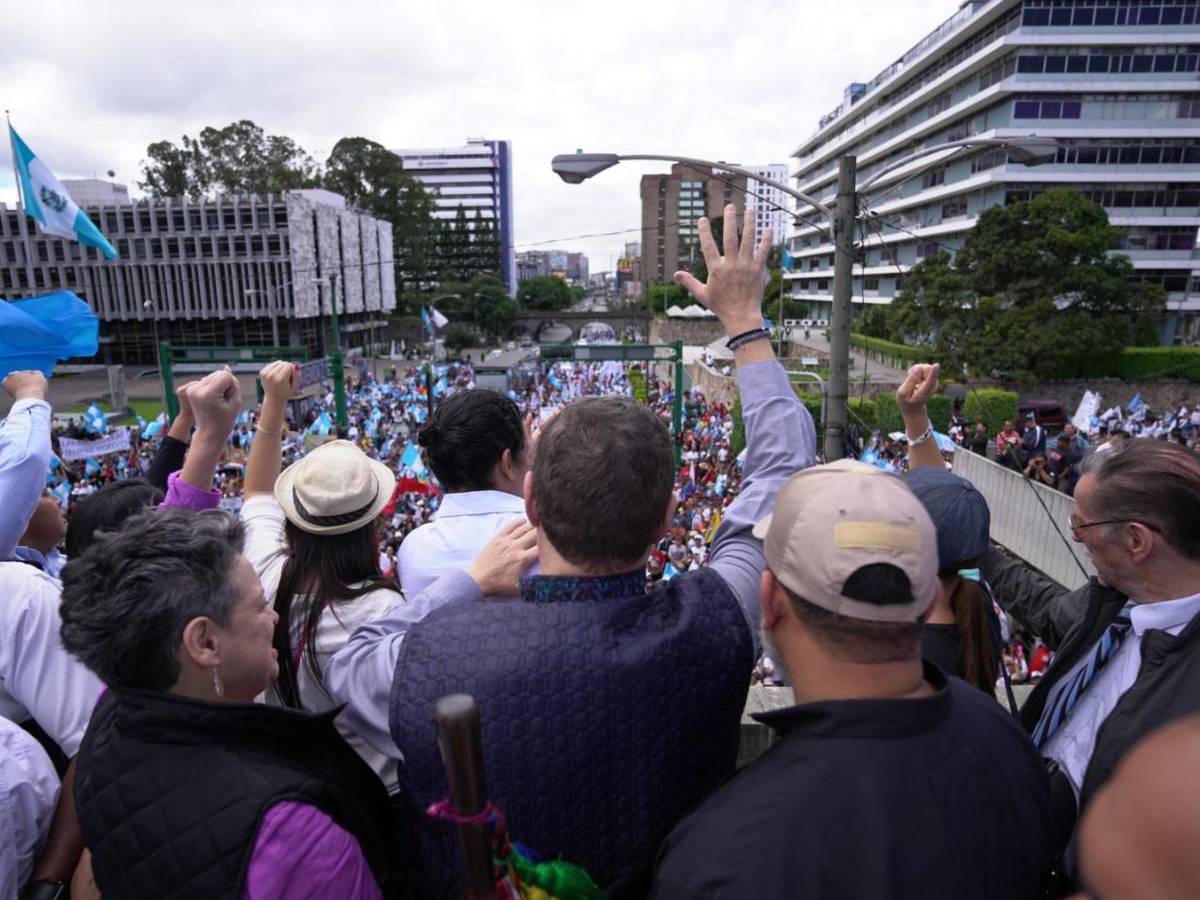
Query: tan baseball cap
[[832, 520]]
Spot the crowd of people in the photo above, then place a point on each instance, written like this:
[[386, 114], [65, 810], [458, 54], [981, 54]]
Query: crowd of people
[[199, 703]]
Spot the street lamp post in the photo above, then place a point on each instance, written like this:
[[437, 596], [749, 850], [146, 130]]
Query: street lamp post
[[574, 168], [158, 353], [335, 355]]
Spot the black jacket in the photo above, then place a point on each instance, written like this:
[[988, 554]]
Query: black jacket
[[170, 792], [939, 797], [1070, 623]]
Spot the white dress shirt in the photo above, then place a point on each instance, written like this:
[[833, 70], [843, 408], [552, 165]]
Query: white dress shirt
[[24, 461], [1075, 739], [38, 678], [29, 790], [265, 547], [460, 528]]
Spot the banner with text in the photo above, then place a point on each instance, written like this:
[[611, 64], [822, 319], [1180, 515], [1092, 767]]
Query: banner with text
[[70, 449]]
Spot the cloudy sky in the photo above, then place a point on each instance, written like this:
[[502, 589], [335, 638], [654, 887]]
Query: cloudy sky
[[90, 86]]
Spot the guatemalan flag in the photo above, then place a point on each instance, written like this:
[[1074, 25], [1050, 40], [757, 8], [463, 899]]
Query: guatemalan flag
[[49, 204]]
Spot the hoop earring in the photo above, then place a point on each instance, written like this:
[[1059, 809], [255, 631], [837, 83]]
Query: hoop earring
[[217, 685]]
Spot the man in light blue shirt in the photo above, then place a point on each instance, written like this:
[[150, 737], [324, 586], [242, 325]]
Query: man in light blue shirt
[[477, 446], [24, 455]]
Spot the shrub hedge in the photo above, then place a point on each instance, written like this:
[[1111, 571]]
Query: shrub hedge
[[992, 406]]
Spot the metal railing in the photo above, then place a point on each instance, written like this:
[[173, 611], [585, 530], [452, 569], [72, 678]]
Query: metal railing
[[1029, 519]]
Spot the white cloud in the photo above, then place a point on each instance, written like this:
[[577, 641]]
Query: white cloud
[[745, 81]]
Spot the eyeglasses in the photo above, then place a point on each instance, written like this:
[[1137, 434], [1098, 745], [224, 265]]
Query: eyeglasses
[[1077, 525]]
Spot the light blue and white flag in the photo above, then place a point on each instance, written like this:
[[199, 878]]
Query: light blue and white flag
[[153, 429], [94, 420], [91, 467], [48, 203], [412, 453], [62, 493]]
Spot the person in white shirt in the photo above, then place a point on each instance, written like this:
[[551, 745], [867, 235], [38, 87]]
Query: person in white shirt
[[478, 447], [311, 535], [29, 789]]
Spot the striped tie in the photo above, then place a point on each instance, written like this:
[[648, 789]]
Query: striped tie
[[1063, 699]]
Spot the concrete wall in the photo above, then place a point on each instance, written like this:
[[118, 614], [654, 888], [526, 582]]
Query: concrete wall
[[1159, 395], [716, 388], [1029, 519], [693, 332]]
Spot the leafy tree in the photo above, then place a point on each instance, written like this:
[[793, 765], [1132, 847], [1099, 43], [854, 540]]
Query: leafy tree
[[1033, 285], [491, 307], [546, 293], [457, 338], [663, 295], [238, 159], [373, 180]]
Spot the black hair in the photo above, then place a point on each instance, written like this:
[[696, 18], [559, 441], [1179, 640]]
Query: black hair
[[128, 597], [327, 569], [107, 510], [467, 434]]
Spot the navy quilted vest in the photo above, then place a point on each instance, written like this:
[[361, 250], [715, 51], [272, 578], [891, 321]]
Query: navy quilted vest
[[170, 792], [603, 722]]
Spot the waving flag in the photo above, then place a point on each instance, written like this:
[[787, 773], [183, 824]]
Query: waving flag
[[322, 425], [439, 320], [91, 467], [789, 261], [412, 453], [48, 204], [62, 493], [154, 428], [426, 321], [94, 420]]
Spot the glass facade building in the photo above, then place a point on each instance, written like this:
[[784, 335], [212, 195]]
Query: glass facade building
[[1115, 82]]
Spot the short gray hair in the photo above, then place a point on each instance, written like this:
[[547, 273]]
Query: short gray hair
[[127, 599]]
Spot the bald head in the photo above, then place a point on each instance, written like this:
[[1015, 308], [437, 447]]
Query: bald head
[[47, 526], [1139, 836]]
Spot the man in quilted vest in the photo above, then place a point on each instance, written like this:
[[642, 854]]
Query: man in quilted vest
[[607, 712]]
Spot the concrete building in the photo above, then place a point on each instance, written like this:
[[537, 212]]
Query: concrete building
[[477, 177], [1114, 81], [577, 268], [531, 264], [770, 204], [629, 273], [231, 271], [671, 205]]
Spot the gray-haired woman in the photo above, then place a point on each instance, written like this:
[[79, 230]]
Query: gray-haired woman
[[185, 787]]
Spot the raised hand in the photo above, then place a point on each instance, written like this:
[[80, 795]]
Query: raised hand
[[279, 380], [920, 384], [26, 384], [504, 559], [734, 288], [216, 400]]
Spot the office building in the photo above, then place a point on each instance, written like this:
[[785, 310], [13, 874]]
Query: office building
[[231, 271], [672, 203], [577, 268], [629, 273], [477, 177], [770, 204], [531, 264], [1115, 82]]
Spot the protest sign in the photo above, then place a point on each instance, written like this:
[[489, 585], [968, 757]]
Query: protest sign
[[71, 449]]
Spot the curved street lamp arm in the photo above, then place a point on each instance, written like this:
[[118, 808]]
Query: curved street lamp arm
[[737, 170]]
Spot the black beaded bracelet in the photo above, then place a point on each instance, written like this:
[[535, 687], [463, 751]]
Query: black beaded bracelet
[[747, 337]]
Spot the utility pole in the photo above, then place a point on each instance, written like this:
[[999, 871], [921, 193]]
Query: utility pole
[[839, 320], [335, 359]]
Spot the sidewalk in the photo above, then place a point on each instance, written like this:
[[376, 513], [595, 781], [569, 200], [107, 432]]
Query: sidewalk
[[876, 372]]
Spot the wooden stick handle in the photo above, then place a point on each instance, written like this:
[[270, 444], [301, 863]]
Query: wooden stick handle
[[457, 720]]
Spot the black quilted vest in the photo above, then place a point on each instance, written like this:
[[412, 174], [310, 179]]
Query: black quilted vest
[[603, 722], [170, 792]]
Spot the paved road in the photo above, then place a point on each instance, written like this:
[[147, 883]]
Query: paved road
[[876, 371]]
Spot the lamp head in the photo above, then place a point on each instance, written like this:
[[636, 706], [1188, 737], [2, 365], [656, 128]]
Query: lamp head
[[575, 168], [1032, 151]]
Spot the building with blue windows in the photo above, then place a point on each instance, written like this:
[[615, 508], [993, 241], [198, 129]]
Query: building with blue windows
[[1115, 82], [477, 177]]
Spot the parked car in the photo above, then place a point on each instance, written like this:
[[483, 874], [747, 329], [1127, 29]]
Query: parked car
[[1047, 413]]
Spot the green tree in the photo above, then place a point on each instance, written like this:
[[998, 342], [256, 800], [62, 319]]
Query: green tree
[[240, 158], [1033, 285], [491, 307], [662, 295], [545, 293], [373, 180]]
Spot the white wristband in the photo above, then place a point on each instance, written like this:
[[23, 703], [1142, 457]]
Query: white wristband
[[918, 441]]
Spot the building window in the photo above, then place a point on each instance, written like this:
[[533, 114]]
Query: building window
[[954, 209], [933, 178], [927, 248], [871, 283], [1047, 108]]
